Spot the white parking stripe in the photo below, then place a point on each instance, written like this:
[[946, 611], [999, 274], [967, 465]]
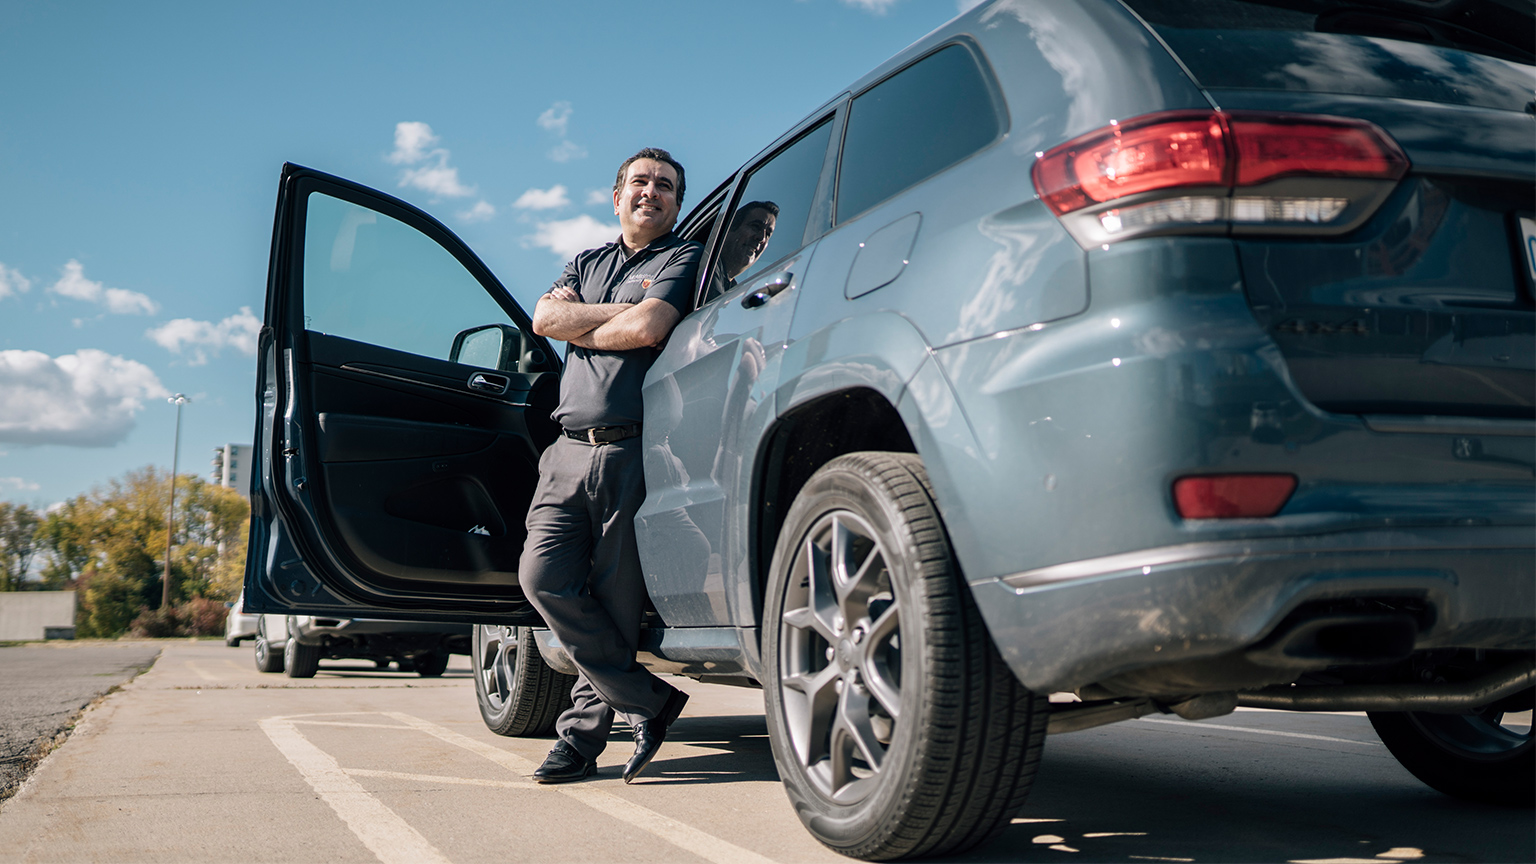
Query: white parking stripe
[[385, 834], [685, 837], [437, 778], [517, 765], [1189, 725]]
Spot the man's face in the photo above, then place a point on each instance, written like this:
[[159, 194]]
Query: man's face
[[746, 241], [646, 202]]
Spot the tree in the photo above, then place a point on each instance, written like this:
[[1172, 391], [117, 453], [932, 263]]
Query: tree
[[109, 545], [18, 543]]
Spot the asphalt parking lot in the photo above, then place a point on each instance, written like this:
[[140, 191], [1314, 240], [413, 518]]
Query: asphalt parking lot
[[204, 759]]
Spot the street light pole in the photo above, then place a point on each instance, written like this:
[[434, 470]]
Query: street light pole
[[170, 517]]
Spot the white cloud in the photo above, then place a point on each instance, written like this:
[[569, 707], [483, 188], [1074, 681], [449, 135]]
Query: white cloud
[[482, 211], [12, 282], [542, 199], [75, 286], [964, 6], [556, 118], [238, 331], [85, 399], [565, 151], [566, 237], [20, 484], [415, 144], [878, 7], [599, 196], [441, 179]]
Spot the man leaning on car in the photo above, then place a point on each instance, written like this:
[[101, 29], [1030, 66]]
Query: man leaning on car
[[580, 568]]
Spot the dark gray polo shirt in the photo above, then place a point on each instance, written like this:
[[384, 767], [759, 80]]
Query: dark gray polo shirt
[[602, 388]]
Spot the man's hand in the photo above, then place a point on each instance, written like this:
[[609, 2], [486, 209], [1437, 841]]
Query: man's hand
[[561, 314], [641, 326]]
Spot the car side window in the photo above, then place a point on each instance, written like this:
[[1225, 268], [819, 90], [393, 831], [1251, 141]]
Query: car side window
[[913, 125], [771, 211], [371, 278]]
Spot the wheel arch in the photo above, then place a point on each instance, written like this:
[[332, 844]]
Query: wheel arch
[[799, 442]]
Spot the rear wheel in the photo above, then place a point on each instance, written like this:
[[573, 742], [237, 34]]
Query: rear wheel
[[267, 660], [1479, 756], [519, 694], [896, 726], [302, 661], [432, 664]]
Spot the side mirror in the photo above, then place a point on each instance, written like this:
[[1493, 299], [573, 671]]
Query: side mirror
[[491, 346]]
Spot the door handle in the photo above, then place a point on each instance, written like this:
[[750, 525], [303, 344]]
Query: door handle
[[765, 290], [489, 383]]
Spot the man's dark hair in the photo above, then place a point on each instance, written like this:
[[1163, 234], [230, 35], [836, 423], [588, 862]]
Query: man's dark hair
[[743, 210], [659, 155]]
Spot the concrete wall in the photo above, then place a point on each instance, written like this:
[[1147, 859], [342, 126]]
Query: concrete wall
[[25, 614]]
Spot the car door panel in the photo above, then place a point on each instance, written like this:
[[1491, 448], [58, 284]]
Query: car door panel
[[395, 480]]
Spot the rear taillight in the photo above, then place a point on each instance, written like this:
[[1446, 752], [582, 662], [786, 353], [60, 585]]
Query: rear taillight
[[1214, 172], [1232, 496]]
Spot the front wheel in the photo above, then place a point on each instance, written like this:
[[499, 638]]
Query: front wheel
[[896, 726], [519, 694], [1477, 756]]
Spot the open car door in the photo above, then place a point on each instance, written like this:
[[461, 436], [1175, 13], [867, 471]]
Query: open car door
[[404, 403]]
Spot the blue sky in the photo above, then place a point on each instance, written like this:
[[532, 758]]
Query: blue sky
[[140, 146]]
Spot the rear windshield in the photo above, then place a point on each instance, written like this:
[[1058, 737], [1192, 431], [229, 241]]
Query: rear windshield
[[1298, 45]]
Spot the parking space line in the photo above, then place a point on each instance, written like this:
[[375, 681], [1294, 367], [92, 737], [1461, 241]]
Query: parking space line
[[391, 839], [1189, 725], [351, 724], [436, 778], [394, 841], [679, 834]]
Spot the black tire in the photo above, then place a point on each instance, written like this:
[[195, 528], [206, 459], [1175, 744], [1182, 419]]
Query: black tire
[[267, 660], [888, 624], [432, 664], [300, 660], [519, 694], [1471, 756]]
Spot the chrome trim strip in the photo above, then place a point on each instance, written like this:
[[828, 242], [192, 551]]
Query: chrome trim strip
[[1239, 551]]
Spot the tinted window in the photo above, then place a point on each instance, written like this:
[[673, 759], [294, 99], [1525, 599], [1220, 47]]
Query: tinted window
[[913, 125], [375, 279], [772, 210], [1256, 46]]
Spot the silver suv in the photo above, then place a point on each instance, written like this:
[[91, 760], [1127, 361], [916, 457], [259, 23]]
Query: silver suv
[[1177, 356]]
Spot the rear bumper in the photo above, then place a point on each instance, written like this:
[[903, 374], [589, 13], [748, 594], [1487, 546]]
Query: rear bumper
[[1072, 624]]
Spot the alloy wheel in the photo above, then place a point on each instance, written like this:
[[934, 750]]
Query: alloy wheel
[[840, 668]]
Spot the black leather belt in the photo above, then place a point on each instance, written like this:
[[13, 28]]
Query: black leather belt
[[603, 434]]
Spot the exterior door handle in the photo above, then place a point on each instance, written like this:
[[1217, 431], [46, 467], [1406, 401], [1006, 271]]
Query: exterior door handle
[[765, 290], [489, 383]]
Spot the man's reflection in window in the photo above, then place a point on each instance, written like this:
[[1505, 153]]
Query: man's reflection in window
[[751, 229]]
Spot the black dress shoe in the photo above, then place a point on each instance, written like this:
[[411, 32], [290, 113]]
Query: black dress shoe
[[564, 764], [650, 733]]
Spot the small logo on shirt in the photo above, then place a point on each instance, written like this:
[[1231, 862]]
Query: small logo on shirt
[[645, 283]]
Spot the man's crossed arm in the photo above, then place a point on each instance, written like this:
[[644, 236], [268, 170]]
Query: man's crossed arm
[[561, 314]]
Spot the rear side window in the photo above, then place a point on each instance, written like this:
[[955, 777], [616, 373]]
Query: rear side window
[[913, 125], [1395, 49]]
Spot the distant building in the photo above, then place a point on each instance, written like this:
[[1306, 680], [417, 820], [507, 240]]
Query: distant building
[[232, 466]]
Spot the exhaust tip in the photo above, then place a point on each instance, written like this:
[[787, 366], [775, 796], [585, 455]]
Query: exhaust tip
[[1339, 640]]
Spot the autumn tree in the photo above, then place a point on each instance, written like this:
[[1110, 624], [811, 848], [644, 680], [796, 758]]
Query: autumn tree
[[18, 543], [110, 545]]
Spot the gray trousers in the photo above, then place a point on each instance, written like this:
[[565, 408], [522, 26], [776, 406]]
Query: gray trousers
[[581, 570]]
